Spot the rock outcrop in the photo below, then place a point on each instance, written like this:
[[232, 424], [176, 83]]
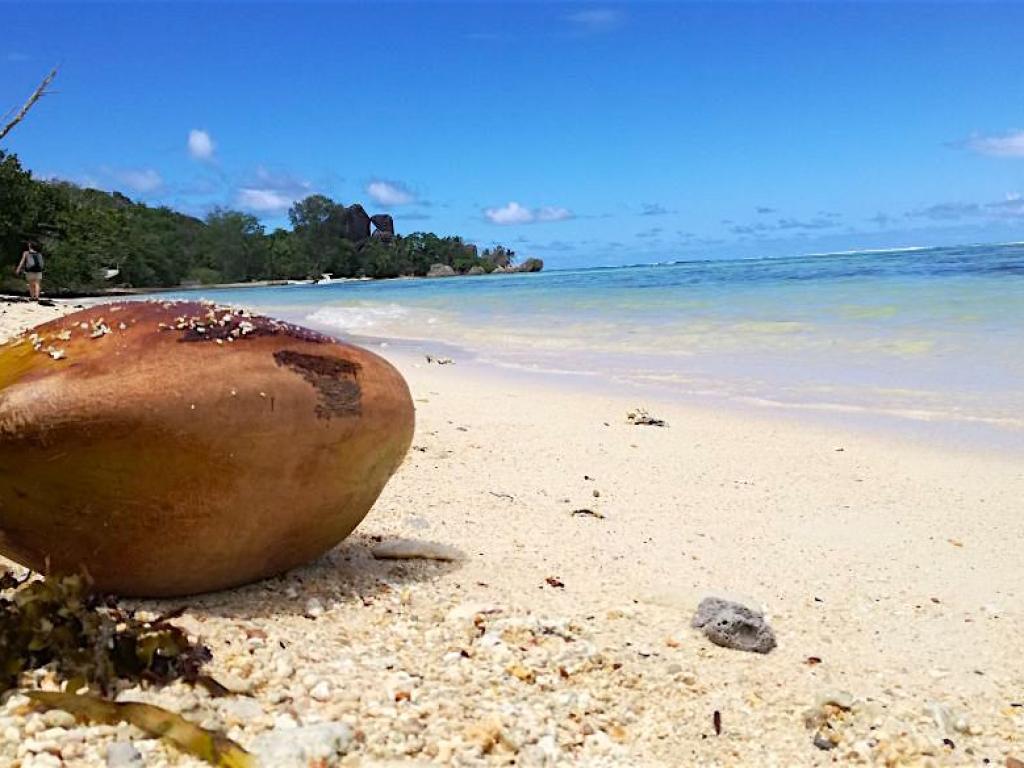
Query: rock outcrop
[[357, 223], [477, 270], [441, 270], [500, 258], [531, 265], [384, 226]]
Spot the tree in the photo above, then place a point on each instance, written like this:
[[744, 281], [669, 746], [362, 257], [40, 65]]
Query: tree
[[18, 205], [499, 256], [319, 225], [233, 244]]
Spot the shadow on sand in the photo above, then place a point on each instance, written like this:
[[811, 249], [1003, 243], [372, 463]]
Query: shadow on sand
[[349, 573]]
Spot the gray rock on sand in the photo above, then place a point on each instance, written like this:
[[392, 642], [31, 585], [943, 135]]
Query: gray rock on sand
[[300, 747], [733, 625]]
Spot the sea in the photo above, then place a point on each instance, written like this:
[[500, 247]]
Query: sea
[[928, 341]]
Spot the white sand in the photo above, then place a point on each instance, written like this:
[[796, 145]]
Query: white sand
[[896, 564]]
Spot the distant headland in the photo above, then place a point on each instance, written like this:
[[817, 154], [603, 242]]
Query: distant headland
[[101, 242]]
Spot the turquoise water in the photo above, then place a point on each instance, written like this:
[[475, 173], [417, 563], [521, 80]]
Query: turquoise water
[[928, 335]]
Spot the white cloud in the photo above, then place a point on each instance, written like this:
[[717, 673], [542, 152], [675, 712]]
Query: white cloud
[[552, 213], [514, 213], [1012, 206], [389, 193], [264, 200], [595, 19], [271, 192], [200, 144], [139, 179], [1008, 145]]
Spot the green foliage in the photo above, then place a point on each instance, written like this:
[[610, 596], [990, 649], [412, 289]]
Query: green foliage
[[203, 276], [94, 240], [499, 256], [234, 244]]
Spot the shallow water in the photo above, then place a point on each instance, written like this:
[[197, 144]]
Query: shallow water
[[914, 335]]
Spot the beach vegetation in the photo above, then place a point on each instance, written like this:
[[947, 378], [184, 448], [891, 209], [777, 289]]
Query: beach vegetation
[[96, 241]]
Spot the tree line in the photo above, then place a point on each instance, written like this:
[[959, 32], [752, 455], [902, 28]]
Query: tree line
[[87, 234]]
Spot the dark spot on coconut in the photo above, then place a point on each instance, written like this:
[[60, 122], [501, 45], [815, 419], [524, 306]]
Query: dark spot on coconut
[[336, 381]]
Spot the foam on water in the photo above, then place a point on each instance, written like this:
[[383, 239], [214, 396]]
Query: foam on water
[[361, 318]]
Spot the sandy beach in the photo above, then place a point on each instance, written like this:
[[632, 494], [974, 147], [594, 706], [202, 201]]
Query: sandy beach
[[889, 570]]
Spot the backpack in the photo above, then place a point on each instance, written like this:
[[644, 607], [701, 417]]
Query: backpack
[[35, 262]]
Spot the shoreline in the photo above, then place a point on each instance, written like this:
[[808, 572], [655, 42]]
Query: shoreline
[[961, 434], [114, 294], [565, 638]]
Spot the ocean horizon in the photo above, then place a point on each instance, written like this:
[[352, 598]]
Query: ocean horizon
[[918, 335]]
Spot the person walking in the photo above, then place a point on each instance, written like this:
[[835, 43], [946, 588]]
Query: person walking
[[31, 265]]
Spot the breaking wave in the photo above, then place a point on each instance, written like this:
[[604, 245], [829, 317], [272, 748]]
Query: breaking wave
[[358, 318]]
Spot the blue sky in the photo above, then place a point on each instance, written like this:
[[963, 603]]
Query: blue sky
[[581, 133]]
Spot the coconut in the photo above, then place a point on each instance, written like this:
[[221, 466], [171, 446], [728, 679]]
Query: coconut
[[170, 448]]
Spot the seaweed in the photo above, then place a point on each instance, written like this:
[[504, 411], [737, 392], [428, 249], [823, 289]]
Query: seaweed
[[210, 746], [87, 639], [91, 643], [640, 417]]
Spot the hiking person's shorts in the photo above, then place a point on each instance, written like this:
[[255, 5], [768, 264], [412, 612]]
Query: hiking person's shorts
[[34, 278]]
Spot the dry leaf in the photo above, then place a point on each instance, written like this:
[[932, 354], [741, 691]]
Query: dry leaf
[[213, 747]]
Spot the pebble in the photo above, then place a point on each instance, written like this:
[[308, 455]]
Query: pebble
[[123, 754], [241, 708], [841, 699], [58, 718], [299, 747], [314, 608], [44, 760], [821, 742], [321, 691]]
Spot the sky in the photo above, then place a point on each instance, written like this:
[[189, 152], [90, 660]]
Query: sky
[[582, 133]]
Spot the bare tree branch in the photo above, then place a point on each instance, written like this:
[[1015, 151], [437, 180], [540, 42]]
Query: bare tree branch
[[37, 94]]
